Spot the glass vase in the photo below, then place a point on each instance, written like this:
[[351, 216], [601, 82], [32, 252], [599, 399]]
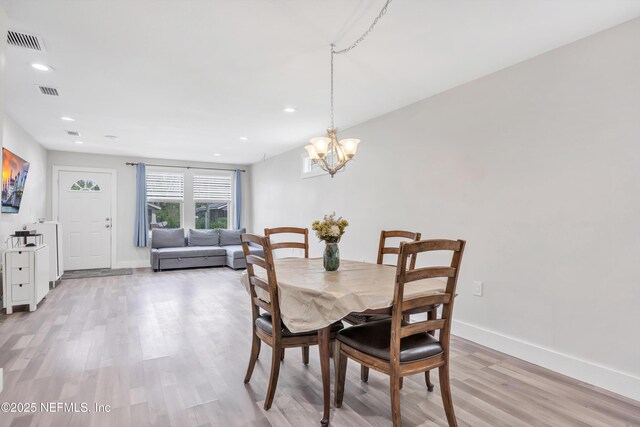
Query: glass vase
[[331, 257]]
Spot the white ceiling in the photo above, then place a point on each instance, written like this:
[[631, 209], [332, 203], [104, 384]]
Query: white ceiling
[[184, 79]]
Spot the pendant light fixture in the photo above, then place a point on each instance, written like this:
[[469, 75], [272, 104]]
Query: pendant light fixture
[[329, 153]]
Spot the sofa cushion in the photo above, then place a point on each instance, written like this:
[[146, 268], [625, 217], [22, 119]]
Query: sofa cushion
[[236, 252], [229, 237], [204, 237], [167, 237], [190, 251]]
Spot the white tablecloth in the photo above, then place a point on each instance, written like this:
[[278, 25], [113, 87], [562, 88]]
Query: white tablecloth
[[312, 298]]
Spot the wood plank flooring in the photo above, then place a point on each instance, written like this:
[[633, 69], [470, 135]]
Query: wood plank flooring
[[171, 349]]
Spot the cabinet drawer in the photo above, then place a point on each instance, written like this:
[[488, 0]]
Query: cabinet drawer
[[20, 275], [19, 259], [21, 292]]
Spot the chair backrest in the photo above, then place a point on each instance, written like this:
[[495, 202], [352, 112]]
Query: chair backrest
[[406, 275], [395, 250], [304, 245], [270, 285]]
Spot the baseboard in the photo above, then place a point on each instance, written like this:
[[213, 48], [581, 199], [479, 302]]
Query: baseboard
[[588, 372], [133, 264]]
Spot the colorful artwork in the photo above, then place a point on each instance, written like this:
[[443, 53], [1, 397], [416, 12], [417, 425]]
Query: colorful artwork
[[14, 176]]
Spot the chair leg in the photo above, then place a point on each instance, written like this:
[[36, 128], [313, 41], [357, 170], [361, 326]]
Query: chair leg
[[364, 373], [282, 354], [445, 390], [255, 351], [340, 364], [394, 382], [273, 376], [427, 379], [305, 354], [431, 315]]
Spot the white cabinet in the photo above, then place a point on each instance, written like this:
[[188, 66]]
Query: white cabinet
[[52, 235], [26, 276]]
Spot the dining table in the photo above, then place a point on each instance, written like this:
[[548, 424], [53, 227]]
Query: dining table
[[312, 298]]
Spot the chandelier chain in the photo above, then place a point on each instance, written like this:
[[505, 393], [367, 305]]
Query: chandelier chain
[[332, 52], [383, 11], [332, 155], [366, 33]]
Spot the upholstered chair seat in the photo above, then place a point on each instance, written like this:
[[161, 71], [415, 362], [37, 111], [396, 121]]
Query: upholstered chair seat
[[373, 338], [264, 323]]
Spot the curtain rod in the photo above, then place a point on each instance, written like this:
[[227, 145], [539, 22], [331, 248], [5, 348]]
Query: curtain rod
[[187, 167]]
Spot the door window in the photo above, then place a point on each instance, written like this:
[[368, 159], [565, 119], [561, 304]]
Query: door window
[[84, 185]]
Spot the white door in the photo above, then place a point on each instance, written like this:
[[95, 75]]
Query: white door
[[84, 210]]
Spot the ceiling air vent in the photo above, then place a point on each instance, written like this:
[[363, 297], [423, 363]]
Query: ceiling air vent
[[25, 40], [45, 90], [73, 133]]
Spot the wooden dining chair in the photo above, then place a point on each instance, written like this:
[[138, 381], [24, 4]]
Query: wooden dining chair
[[268, 327], [383, 249], [398, 348], [304, 245]]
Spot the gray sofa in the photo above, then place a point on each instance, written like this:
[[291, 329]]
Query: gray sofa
[[170, 249]]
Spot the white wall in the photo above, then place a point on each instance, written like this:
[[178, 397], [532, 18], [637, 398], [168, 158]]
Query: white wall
[[19, 142], [3, 47], [3, 42], [538, 168], [127, 255]]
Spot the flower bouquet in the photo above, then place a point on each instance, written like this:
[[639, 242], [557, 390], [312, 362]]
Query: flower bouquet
[[330, 230]]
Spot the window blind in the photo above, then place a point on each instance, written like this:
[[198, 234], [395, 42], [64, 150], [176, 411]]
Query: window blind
[[212, 187], [165, 185]]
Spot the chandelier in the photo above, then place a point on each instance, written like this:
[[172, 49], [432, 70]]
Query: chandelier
[[329, 153]]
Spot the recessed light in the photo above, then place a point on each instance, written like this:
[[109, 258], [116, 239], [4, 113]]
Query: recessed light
[[217, 154], [243, 138], [289, 110], [67, 119], [41, 67], [78, 142]]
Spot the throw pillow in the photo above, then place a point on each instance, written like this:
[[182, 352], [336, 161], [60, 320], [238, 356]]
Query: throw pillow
[[204, 237], [167, 237], [229, 237]]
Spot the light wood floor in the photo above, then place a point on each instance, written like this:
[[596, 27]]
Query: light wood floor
[[171, 349]]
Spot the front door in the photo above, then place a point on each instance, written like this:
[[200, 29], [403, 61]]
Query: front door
[[84, 210]]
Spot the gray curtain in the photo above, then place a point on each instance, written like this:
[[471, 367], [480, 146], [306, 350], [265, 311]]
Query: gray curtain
[[237, 202], [140, 234]]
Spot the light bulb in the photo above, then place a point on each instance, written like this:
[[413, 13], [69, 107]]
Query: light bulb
[[312, 152], [350, 146], [321, 145]]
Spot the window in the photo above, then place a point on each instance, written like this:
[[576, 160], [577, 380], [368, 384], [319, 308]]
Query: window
[[310, 166], [188, 200], [165, 194], [311, 169], [212, 198], [212, 215], [84, 185]]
